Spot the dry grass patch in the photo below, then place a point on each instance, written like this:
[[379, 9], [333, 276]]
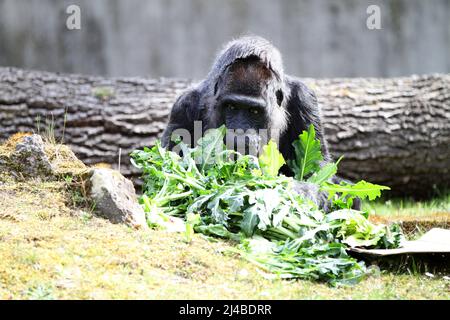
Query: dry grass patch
[[78, 256]]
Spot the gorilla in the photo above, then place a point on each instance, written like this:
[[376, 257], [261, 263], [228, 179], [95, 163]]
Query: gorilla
[[248, 91]]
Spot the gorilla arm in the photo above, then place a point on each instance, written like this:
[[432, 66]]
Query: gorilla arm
[[184, 112], [303, 111]]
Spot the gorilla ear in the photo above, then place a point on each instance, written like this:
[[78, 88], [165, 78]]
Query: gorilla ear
[[216, 85], [280, 96]]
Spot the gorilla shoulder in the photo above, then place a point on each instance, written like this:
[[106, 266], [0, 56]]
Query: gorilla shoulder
[[185, 111]]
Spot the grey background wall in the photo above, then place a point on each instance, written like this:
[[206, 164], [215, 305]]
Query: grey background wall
[[318, 38]]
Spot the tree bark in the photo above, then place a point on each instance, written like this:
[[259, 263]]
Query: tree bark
[[394, 132]]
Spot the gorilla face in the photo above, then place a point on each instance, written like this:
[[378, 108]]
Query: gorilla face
[[248, 97]]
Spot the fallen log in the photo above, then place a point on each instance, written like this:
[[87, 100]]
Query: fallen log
[[393, 131]]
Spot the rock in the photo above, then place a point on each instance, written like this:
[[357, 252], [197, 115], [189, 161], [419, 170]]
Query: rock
[[29, 157], [115, 198]]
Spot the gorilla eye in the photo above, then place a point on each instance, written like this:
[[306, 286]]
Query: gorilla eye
[[254, 111], [232, 107]]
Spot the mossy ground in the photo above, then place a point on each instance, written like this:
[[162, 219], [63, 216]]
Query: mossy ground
[[51, 252], [49, 249]]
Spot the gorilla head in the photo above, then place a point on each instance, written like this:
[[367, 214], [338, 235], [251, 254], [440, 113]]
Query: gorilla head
[[248, 92], [248, 101]]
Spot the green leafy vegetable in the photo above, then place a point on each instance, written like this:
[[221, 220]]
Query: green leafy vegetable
[[308, 154], [325, 173], [210, 148], [221, 193], [362, 189], [192, 220], [271, 160]]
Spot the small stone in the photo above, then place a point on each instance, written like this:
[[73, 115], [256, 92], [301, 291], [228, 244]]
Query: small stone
[[115, 198], [30, 159]]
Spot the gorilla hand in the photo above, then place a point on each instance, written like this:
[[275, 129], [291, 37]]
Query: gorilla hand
[[312, 192]]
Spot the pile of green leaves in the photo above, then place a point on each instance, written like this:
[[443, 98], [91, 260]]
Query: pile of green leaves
[[222, 193]]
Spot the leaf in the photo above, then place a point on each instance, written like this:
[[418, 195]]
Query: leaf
[[258, 245], [210, 148], [189, 232], [271, 160], [249, 222], [220, 204], [307, 153], [263, 203], [199, 203], [192, 220], [362, 189], [218, 214], [279, 217], [235, 202], [157, 219], [355, 229], [259, 210], [325, 173], [217, 230]]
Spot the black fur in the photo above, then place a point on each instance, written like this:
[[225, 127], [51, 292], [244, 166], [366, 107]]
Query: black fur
[[252, 68]]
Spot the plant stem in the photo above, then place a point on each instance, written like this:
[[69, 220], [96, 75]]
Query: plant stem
[[163, 200], [187, 181]]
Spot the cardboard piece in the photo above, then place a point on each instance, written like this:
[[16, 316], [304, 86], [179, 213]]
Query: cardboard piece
[[434, 241]]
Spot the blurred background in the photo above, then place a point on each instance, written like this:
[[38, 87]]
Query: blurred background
[[179, 38]]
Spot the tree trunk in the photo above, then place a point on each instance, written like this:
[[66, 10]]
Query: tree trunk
[[391, 131]]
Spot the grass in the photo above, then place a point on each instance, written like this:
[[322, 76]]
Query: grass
[[416, 217], [103, 93], [52, 248], [51, 251], [409, 207]]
